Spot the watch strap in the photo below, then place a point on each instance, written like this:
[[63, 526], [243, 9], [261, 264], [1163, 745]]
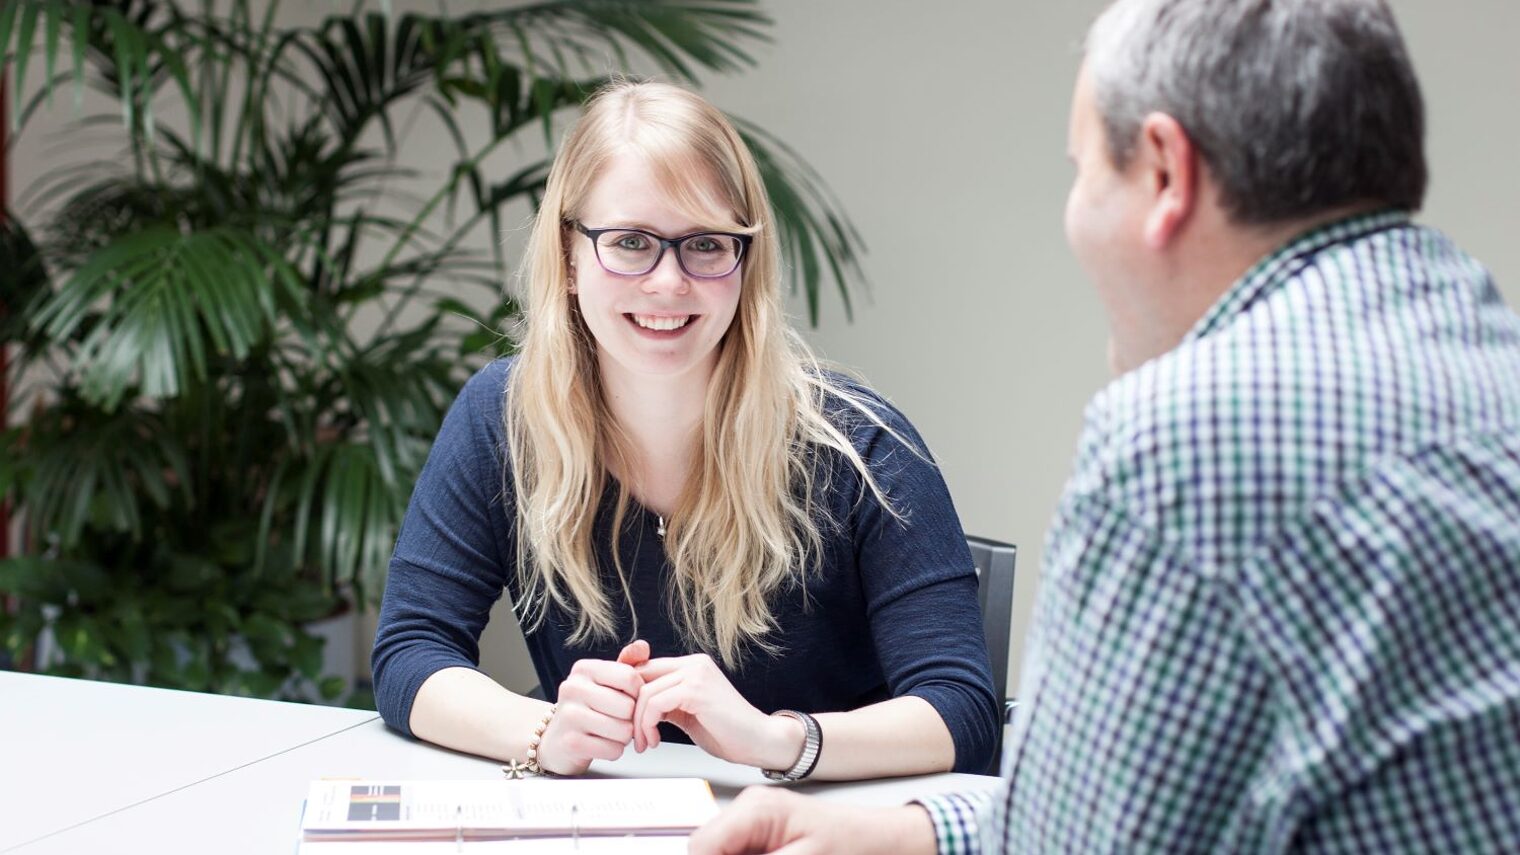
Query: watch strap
[[812, 746]]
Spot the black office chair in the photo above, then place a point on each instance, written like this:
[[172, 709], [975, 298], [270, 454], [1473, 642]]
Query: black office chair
[[994, 562]]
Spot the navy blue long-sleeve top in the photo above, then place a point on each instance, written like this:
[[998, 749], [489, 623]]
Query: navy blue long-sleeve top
[[891, 612]]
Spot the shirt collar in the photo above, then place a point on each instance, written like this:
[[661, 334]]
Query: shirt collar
[[1286, 261]]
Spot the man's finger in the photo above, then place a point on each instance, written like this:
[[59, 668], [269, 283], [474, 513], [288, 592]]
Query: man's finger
[[751, 824], [735, 831]]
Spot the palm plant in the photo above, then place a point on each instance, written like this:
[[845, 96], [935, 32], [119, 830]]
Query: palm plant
[[242, 336]]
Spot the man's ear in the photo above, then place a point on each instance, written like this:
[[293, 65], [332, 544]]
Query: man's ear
[[1170, 160]]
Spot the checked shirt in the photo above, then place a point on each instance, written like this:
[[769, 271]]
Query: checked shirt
[[1281, 602]]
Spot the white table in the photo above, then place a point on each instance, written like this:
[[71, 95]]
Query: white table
[[72, 751], [256, 807]]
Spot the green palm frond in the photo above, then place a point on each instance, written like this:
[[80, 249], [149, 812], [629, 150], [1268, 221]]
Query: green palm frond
[[19, 22], [813, 231], [171, 299], [346, 514], [399, 389], [85, 471], [569, 37], [130, 43], [366, 65], [24, 283]]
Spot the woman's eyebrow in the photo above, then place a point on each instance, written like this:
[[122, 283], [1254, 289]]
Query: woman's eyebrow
[[615, 223]]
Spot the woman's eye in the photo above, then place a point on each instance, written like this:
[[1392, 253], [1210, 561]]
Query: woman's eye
[[633, 242], [704, 244]]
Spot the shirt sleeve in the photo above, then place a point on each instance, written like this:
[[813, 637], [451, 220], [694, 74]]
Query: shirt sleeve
[[448, 569], [967, 823], [920, 587]]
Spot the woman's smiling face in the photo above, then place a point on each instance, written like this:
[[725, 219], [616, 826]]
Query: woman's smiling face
[[662, 323]]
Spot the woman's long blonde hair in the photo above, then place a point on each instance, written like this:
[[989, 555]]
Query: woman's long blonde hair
[[749, 519]]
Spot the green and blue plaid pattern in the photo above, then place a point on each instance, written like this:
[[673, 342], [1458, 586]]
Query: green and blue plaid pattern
[[1281, 602]]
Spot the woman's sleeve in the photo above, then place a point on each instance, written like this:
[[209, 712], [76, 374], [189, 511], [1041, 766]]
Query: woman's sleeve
[[448, 568], [920, 587]]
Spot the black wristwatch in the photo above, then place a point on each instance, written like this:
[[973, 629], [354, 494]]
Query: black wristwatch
[[812, 745]]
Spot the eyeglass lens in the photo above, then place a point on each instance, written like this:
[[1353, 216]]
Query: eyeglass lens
[[636, 253]]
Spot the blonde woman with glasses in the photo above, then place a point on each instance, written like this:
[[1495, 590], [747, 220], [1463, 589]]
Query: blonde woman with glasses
[[705, 536]]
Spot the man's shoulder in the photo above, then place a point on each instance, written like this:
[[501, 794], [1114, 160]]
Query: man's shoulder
[[1229, 437]]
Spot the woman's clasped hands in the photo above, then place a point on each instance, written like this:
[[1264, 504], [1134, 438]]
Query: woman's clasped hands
[[606, 705]]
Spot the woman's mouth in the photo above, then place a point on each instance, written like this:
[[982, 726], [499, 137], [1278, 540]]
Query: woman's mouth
[[664, 326]]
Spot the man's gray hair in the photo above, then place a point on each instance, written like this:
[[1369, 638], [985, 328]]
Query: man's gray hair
[[1297, 107]]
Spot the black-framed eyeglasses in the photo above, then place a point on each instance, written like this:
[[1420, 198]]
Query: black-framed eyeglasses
[[635, 252]]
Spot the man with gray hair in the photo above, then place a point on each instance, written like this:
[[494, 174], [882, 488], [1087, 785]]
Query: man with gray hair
[[1281, 602]]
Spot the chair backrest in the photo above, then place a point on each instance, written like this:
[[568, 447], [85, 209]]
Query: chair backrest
[[995, 562]]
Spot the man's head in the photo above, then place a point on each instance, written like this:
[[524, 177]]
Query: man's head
[[1206, 131]]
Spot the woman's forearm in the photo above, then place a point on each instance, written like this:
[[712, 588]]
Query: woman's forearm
[[902, 736], [465, 710]]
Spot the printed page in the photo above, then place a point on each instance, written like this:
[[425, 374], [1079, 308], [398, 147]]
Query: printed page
[[662, 845], [494, 809]]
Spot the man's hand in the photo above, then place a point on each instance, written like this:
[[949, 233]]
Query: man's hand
[[770, 819]]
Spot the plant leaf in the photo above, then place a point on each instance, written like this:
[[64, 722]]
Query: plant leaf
[[171, 299], [811, 227]]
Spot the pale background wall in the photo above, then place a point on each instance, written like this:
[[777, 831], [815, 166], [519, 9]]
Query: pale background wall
[[941, 126]]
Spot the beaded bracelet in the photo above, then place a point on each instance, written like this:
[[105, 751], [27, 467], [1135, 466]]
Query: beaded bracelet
[[517, 769]]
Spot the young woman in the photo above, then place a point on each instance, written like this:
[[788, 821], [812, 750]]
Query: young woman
[[695, 524]]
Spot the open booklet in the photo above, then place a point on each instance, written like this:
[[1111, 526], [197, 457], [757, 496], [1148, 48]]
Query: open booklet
[[463, 811]]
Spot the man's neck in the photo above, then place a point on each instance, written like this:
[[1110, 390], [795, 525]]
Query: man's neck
[[1206, 263], [1258, 242]]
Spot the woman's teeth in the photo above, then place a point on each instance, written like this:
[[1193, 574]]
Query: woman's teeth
[[653, 322]]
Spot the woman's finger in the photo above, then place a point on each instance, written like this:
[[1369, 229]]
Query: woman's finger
[[585, 720], [665, 696], [571, 752], [643, 730], [609, 702], [657, 668], [613, 675], [635, 653]]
